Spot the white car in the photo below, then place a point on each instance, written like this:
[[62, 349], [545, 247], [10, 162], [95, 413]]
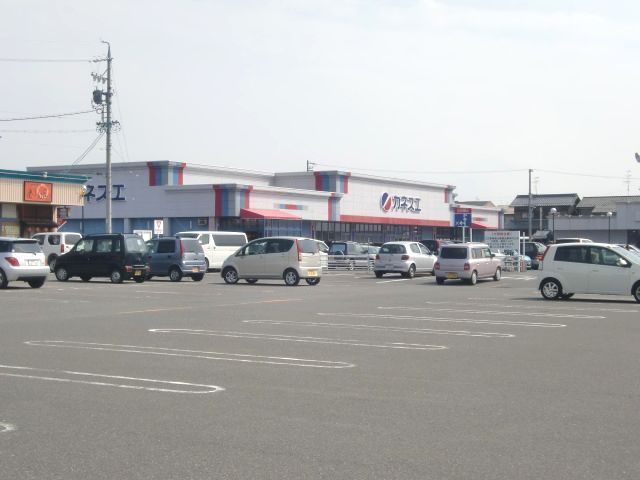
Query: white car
[[21, 259], [600, 268], [323, 250], [55, 244], [286, 258], [406, 258], [217, 246]]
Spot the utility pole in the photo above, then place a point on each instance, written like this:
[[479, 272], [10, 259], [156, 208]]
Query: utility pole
[[106, 126], [529, 209]]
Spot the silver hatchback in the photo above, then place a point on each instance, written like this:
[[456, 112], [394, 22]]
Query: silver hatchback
[[22, 259]]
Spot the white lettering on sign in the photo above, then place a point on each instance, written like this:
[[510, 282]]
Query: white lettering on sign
[[398, 203], [503, 239]]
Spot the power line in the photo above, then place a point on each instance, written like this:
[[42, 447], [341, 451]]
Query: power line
[[44, 60], [47, 131], [86, 152], [45, 116], [590, 175], [472, 172]]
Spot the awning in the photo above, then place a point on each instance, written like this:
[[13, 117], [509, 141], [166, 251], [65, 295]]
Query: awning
[[482, 226], [269, 214]]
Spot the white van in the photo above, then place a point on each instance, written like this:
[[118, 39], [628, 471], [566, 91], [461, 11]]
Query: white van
[[217, 246]]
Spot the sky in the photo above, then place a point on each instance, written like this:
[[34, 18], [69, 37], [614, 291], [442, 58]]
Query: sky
[[458, 92]]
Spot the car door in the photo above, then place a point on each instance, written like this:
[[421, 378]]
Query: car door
[[77, 260], [417, 257], [249, 261], [276, 257], [573, 268], [428, 259], [163, 257], [610, 272], [101, 259]]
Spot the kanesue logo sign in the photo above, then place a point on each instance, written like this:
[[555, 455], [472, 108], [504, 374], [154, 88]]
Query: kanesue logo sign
[[398, 203]]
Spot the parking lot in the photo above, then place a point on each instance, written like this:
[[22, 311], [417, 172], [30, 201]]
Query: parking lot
[[356, 378]]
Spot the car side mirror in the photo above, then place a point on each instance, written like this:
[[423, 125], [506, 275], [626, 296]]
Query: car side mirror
[[623, 263], [493, 255]]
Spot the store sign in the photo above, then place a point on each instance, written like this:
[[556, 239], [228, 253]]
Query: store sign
[[99, 192], [40, 192], [397, 203]]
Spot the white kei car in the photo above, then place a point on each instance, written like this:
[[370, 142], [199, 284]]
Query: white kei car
[[22, 259]]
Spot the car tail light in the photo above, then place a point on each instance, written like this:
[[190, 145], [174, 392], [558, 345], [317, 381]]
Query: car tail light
[[62, 248], [542, 257], [404, 257], [377, 257], [467, 266], [181, 249], [128, 268], [437, 266], [299, 250], [13, 261]]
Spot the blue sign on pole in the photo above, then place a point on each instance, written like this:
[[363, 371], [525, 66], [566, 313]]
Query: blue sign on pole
[[462, 219]]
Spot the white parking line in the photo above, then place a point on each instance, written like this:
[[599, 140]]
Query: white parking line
[[6, 427], [293, 338], [176, 352], [465, 333], [56, 376], [444, 319], [496, 312], [545, 304], [394, 280]]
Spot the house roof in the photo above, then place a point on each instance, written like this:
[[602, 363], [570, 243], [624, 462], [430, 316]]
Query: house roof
[[551, 200], [605, 204]]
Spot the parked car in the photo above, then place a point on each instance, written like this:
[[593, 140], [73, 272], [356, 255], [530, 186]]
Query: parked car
[[573, 240], [598, 268], [22, 260], [515, 257], [467, 261], [55, 244], [371, 251], [434, 245], [287, 258], [176, 257], [406, 258], [217, 246], [118, 256], [348, 255], [535, 251]]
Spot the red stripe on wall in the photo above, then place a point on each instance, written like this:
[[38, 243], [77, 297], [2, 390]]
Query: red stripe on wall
[[346, 184], [218, 208], [394, 221], [446, 195], [330, 209], [247, 197], [318, 180], [181, 173], [152, 174]]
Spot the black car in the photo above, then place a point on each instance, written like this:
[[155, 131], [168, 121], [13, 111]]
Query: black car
[[118, 256], [535, 251]]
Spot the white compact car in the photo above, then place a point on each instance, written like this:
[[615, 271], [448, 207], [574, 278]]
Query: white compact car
[[55, 244], [21, 259], [286, 258], [405, 258], [601, 268]]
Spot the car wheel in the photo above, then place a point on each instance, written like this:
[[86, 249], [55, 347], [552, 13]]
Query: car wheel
[[440, 280], [498, 274], [566, 296], [198, 277], [312, 281], [116, 276], [175, 275], [52, 262], [474, 278], [3, 280], [291, 277], [411, 272], [85, 278], [551, 289], [379, 274], [230, 275], [37, 283], [206, 264], [139, 279], [62, 274], [251, 280], [636, 290]]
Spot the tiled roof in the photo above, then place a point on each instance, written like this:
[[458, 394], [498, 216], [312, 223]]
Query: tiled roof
[[605, 204], [553, 200]]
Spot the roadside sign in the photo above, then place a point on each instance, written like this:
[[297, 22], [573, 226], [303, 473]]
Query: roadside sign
[[462, 219], [158, 227], [503, 239]]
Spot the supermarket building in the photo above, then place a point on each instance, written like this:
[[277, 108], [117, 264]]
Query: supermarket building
[[328, 205]]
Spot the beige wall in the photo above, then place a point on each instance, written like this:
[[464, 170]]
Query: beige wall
[[11, 191]]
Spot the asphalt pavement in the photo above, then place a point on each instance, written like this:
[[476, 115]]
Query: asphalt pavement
[[356, 378]]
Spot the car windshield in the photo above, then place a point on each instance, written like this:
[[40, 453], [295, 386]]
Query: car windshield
[[26, 246], [453, 253], [629, 254], [135, 245]]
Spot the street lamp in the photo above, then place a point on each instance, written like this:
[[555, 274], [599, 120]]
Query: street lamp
[[609, 214], [553, 212], [83, 191]]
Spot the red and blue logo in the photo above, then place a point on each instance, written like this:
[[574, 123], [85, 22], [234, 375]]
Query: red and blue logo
[[386, 202]]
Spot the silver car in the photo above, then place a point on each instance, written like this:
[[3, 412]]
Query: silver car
[[405, 258], [22, 259]]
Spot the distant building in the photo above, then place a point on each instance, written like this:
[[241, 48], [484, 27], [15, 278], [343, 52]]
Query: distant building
[[564, 203]]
